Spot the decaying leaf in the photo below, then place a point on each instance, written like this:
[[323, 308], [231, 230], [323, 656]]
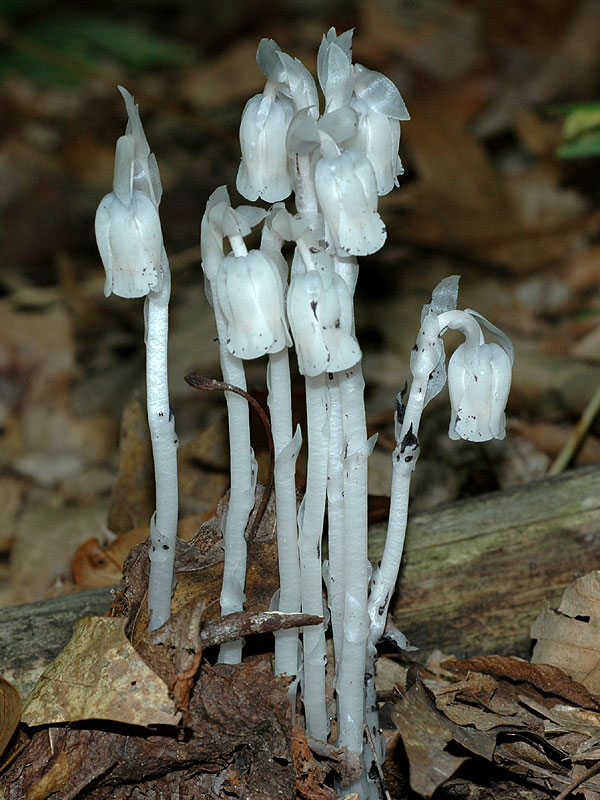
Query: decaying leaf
[[99, 675], [10, 712], [425, 733], [236, 743], [309, 774], [569, 638], [546, 678]]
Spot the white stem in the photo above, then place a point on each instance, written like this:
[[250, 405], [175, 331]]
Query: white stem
[[335, 516], [310, 526], [280, 405], [163, 526], [304, 186], [404, 459], [241, 494], [356, 564]]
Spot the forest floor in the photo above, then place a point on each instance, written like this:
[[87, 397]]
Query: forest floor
[[491, 191]]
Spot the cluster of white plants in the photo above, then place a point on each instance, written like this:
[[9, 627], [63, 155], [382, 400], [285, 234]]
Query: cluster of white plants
[[336, 164]]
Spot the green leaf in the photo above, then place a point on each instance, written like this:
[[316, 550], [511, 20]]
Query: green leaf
[[583, 146], [68, 48]]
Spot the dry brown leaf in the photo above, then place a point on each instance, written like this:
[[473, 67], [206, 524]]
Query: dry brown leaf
[[546, 678], [569, 638], [10, 712], [100, 676], [425, 734]]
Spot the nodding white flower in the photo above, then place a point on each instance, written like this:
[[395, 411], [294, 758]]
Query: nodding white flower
[[127, 225], [380, 108], [347, 192], [250, 293], [321, 321], [263, 170], [479, 377]]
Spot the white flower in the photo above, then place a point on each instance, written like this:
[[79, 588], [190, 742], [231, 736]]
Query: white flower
[[130, 243], [380, 109], [263, 171], [127, 225], [250, 293], [321, 323], [479, 377], [347, 192]]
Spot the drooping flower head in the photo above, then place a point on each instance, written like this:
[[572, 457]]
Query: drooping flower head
[[127, 225], [479, 377], [321, 321], [250, 294]]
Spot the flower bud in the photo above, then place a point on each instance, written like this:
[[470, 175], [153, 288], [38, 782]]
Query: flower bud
[[321, 323], [250, 293], [347, 192], [263, 171]]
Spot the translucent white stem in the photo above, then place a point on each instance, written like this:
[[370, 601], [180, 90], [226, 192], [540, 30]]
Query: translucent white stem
[[286, 451], [350, 684], [310, 526], [163, 526], [335, 517], [404, 459], [304, 186], [241, 495]]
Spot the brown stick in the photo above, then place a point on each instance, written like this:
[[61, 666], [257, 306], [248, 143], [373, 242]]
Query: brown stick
[[211, 385]]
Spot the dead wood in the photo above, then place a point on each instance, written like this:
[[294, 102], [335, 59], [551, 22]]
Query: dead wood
[[474, 577]]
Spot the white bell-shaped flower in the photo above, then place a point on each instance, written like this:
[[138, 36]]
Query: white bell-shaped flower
[[130, 242], [479, 377], [321, 321], [263, 170], [127, 224], [347, 192], [250, 294], [380, 108]]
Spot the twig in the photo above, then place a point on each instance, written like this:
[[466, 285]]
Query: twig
[[210, 385], [582, 778], [242, 623], [575, 440]]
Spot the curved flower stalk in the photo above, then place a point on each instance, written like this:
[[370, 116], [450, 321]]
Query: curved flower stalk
[[484, 405], [130, 242], [218, 221]]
